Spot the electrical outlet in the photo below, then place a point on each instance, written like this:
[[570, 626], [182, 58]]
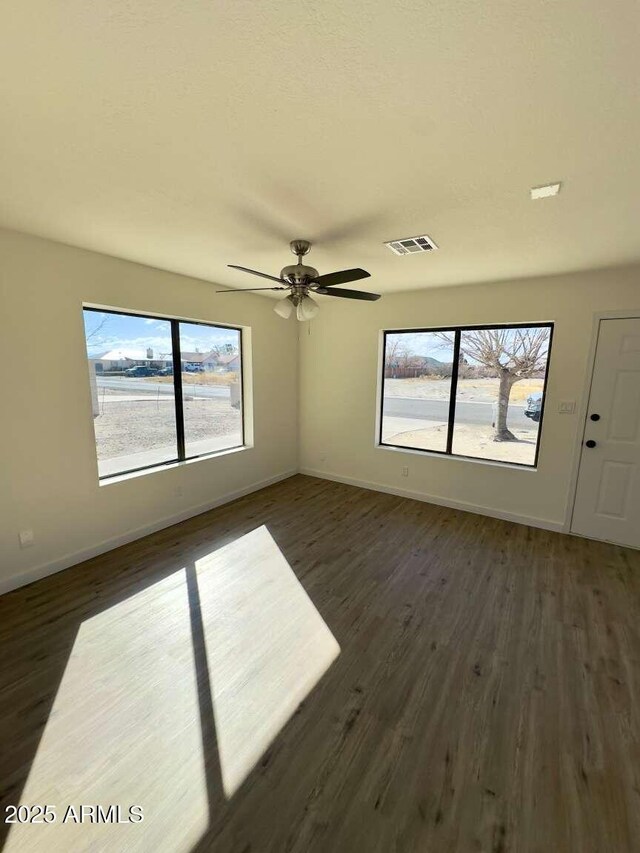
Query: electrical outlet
[[27, 538], [405, 471], [323, 455], [567, 407], [179, 492]]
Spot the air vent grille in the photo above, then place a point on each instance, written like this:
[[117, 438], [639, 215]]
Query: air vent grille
[[411, 245]]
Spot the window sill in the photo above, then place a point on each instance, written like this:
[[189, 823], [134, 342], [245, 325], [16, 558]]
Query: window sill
[[475, 459], [166, 466]]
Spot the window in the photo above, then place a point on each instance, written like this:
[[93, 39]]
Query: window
[[162, 390], [475, 392]]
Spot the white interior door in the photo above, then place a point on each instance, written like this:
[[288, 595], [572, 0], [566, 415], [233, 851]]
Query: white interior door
[[607, 502]]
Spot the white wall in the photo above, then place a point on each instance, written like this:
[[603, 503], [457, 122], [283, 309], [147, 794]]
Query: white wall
[[339, 386], [48, 470]]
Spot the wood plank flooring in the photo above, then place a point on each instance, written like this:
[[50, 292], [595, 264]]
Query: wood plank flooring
[[320, 668]]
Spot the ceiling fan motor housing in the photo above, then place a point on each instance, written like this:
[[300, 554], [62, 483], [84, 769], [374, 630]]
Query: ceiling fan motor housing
[[299, 274]]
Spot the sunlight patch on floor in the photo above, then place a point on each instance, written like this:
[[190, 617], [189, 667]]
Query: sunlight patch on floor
[[220, 651], [267, 647], [124, 730]]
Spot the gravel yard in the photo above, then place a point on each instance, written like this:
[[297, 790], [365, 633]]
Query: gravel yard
[[481, 390], [125, 428], [472, 440]]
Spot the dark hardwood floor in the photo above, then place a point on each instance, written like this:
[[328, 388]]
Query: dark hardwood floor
[[437, 681]]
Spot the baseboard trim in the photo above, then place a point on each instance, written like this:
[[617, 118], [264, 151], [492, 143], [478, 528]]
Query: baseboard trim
[[30, 575], [545, 524]]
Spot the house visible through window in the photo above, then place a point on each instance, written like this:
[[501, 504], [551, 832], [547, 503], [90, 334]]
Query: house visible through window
[[466, 391], [162, 390]]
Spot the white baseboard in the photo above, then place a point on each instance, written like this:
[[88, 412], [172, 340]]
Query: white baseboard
[[34, 574], [544, 523]]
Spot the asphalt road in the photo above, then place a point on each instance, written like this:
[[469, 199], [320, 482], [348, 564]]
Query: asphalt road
[[467, 412], [148, 386]]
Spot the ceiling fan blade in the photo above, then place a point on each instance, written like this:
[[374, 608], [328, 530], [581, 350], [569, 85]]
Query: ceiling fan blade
[[255, 272], [341, 277], [249, 289], [348, 294]]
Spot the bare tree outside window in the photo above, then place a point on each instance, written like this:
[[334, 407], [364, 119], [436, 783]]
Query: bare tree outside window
[[95, 328], [515, 354], [466, 391]]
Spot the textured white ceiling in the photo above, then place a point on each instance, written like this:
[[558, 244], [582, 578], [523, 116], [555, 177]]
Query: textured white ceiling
[[188, 134]]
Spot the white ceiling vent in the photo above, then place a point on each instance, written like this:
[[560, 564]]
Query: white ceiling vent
[[411, 245]]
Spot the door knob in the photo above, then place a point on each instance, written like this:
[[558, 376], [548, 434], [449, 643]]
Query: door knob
[[595, 417], [590, 443]]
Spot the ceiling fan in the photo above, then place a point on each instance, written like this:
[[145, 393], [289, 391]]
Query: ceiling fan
[[301, 280]]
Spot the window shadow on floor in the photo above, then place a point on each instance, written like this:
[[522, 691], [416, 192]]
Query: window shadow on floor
[[215, 794], [61, 641]]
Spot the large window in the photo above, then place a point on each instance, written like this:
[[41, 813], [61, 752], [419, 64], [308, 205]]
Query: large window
[[162, 390], [477, 392]]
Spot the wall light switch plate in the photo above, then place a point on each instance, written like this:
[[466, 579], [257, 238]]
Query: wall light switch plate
[[26, 538], [567, 407]]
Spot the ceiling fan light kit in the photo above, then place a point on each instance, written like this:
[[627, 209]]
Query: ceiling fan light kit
[[301, 280], [284, 307], [307, 309]]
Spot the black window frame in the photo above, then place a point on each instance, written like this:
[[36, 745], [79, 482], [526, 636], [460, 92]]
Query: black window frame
[[457, 331], [177, 387]]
